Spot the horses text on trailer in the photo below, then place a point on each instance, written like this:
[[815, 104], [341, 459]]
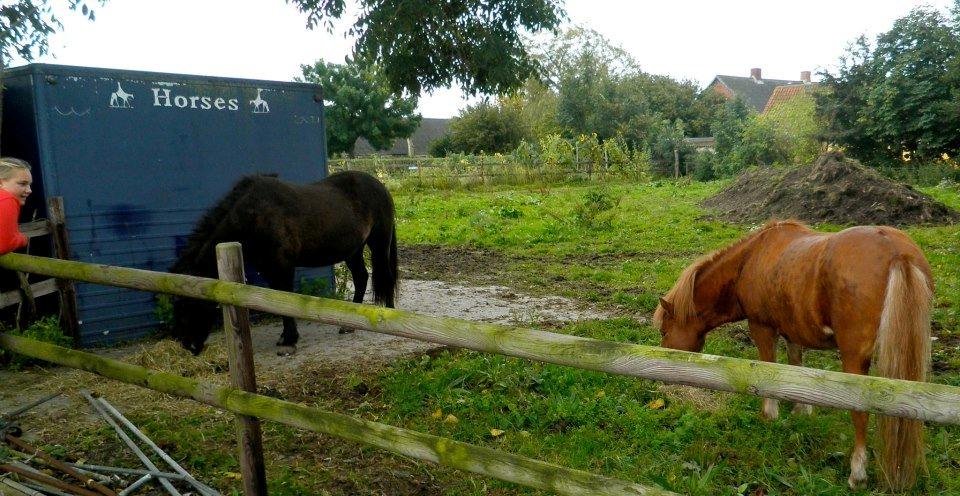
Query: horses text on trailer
[[138, 157]]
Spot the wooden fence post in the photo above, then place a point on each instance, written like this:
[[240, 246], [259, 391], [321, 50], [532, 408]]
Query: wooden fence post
[[236, 327], [69, 319]]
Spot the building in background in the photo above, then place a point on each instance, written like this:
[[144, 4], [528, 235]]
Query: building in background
[[417, 144], [755, 91]]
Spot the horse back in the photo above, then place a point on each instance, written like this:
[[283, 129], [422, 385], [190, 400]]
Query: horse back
[[810, 285]]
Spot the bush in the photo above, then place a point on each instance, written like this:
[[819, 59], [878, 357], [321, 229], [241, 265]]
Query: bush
[[46, 330], [702, 165], [594, 210]]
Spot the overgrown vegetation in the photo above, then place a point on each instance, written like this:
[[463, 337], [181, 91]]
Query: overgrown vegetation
[[47, 329]]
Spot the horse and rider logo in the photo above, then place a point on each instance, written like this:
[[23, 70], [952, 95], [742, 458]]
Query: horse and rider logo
[[120, 98], [260, 106]]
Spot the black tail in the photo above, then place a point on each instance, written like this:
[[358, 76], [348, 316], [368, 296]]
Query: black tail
[[386, 280]]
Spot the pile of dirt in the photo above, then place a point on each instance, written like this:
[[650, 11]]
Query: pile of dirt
[[834, 189]]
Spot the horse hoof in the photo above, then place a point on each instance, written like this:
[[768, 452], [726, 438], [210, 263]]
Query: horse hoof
[[346, 330], [856, 483], [287, 350]]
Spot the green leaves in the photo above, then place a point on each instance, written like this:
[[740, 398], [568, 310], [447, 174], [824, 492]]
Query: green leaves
[[422, 45], [26, 24], [898, 97], [360, 104]]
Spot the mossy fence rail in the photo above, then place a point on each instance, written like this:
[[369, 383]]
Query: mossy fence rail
[[924, 401]]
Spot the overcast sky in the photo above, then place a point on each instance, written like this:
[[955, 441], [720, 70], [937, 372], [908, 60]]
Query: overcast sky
[[685, 39]]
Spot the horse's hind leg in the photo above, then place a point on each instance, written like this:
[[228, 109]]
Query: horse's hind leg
[[857, 362], [766, 340], [360, 276], [795, 357]]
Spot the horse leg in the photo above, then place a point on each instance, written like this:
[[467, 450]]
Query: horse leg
[[795, 357], [360, 275], [282, 279], [766, 340], [857, 363]]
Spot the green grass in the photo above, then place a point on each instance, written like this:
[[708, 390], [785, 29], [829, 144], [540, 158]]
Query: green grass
[[604, 423]]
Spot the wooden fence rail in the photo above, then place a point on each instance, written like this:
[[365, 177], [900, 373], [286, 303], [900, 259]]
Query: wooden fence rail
[[463, 456], [924, 401]]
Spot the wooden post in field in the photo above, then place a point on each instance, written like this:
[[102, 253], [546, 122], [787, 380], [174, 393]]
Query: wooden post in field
[[236, 326], [69, 319], [676, 162]]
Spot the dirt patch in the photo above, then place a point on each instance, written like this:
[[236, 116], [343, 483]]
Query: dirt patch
[[833, 189], [455, 263]]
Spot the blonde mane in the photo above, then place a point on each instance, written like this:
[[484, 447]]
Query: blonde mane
[[680, 295]]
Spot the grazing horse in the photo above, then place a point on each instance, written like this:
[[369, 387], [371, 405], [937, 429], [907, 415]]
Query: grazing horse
[[866, 290], [282, 226]]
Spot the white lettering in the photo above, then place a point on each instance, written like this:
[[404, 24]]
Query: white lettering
[[164, 97], [157, 97]]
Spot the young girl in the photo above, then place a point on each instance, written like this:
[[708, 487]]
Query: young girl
[[15, 181]]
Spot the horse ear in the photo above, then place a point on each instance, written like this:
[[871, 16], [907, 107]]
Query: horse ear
[[667, 306]]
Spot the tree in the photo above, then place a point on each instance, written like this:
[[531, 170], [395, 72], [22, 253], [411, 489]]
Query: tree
[[601, 90], [421, 45], [25, 26], [796, 121], [900, 96], [483, 128], [537, 105], [360, 104]]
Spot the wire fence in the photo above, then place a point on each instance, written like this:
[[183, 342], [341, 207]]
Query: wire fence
[[475, 171]]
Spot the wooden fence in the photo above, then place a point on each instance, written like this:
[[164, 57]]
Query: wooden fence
[[55, 226], [924, 401]]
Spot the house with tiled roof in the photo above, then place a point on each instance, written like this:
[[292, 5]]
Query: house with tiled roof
[[783, 94], [754, 90], [417, 144]]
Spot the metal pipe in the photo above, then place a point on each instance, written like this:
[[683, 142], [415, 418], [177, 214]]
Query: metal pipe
[[59, 465], [136, 485], [44, 490], [94, 475], [16, 413], [129, 471], [19, 487], [46, 479], [129, 442], [203, 488]]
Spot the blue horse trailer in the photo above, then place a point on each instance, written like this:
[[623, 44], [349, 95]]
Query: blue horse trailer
[[138, 157]]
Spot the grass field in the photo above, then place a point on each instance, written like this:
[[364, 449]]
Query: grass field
[[618, 246], [562, 241]]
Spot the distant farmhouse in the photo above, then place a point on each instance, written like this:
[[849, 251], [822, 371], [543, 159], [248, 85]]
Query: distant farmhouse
[[760, 94], [417, 144]]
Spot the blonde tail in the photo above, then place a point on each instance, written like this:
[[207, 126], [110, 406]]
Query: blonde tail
[[903, 352]]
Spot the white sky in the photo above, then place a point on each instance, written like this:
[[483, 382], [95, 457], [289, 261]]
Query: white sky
[[685, 39]]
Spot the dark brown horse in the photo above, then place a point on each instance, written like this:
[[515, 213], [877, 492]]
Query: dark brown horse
[[282, 226], [865, 291]]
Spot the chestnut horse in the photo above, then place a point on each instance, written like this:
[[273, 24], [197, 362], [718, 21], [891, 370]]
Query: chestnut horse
[[865, 290]]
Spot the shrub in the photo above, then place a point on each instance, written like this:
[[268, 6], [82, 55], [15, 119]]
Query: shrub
[[46, 330]]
